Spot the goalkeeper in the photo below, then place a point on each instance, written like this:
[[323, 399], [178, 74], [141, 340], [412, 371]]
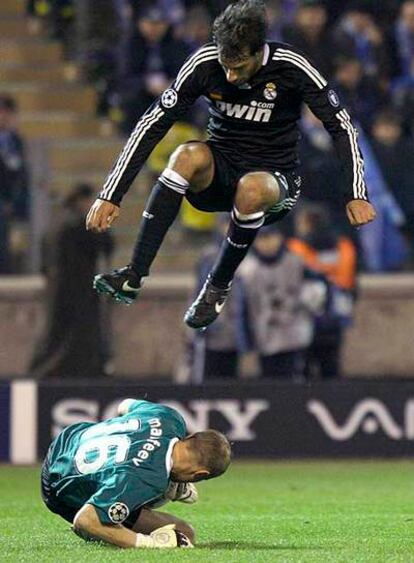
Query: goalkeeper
[[106, 478]]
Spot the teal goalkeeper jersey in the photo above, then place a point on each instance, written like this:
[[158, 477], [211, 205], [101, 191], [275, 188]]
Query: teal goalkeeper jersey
[[117, 465]]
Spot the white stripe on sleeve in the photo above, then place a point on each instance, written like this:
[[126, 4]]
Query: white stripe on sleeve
[[359, 189], [200, 57], [302, 63], [141, 128]]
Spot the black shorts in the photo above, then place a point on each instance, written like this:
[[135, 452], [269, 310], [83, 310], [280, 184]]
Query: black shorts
[[66, 511], [220, 194]]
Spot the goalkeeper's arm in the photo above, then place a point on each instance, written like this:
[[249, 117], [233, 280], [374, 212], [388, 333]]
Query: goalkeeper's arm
[[87, 523]]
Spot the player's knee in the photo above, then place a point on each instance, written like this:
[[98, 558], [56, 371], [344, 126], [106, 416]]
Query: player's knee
[[189, 158], [255, 192]]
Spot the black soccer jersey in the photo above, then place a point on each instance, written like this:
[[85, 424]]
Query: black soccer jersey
[[256, 124]]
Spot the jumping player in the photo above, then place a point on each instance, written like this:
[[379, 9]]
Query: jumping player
[[256, 90], [106, 478]]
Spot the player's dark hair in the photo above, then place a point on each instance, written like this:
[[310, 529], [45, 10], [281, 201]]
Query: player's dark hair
[[213, 451], [239, 29]]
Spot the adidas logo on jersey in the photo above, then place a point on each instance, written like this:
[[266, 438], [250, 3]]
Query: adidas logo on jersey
[[256, 111]]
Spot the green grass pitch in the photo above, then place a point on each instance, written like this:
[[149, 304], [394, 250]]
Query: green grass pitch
[[262, 511]]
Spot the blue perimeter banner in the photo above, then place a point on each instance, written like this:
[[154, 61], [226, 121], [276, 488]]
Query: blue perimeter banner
[[344, 418], [4, 421]]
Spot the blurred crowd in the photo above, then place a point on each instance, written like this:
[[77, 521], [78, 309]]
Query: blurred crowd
[[76, 337], [131, 51], [292, 300], [363, 46], [294, 295], [14, 190]]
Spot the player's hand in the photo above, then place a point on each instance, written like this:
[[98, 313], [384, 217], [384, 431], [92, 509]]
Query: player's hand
[[182, 492], [360, 212], [168, 537], [101, 216]]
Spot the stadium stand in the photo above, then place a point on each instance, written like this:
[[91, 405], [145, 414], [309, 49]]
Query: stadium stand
[[57, 113]]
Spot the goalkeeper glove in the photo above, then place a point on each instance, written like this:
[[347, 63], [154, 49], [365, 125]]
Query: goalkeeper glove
[[166, 537], [182, 492]]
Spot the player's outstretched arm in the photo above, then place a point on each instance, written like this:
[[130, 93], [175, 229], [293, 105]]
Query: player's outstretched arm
[[171, 106], [87, 522], [325, 104], [101, 216]]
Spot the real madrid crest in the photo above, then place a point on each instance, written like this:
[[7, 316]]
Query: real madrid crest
[[270, 92]]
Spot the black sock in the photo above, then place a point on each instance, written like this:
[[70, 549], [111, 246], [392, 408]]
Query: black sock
[[162, 208], [241, 234]]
